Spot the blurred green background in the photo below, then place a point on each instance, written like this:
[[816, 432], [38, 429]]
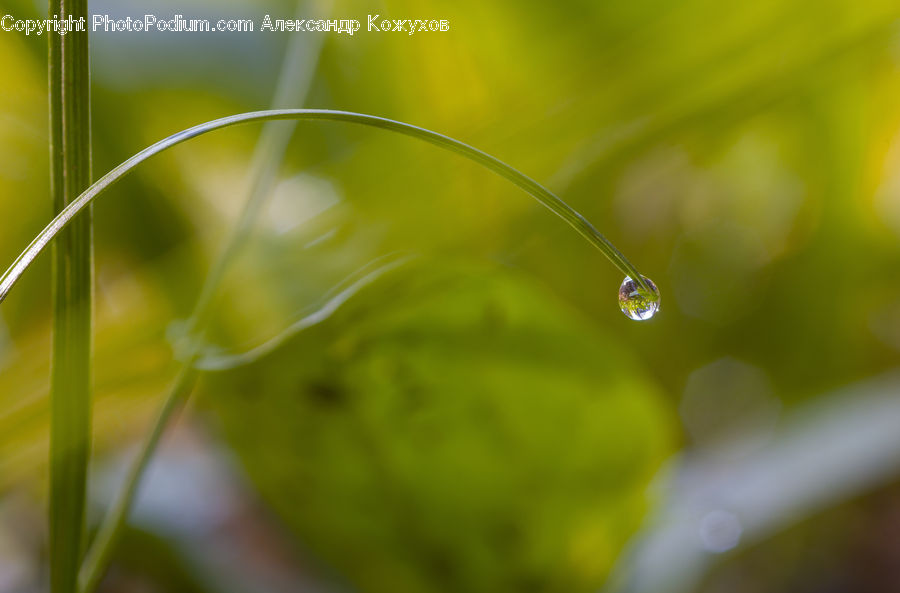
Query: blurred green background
[[478, 415]]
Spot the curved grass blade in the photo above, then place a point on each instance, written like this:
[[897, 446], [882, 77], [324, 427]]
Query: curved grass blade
[[532, 187], [321, 311]]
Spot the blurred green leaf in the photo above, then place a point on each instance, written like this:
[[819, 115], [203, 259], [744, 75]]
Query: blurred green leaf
[[453, 428]]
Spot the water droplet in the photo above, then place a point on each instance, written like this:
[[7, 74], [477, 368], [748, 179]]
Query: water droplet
[[637, 303]]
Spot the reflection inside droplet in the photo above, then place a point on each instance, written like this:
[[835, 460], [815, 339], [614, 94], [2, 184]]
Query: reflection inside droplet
[[636, 302]]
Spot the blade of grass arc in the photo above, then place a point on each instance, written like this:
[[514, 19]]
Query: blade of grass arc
[[530, 186]]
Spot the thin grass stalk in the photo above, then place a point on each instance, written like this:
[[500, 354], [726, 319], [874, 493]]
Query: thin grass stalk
[[72, 286], [294, 80], [100, 554]]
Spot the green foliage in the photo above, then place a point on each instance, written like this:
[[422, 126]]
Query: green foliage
[[743, 153], [73, 412], [455, 428]]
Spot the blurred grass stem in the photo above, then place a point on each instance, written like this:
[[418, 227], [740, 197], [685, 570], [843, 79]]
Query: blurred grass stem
[[294, 79]]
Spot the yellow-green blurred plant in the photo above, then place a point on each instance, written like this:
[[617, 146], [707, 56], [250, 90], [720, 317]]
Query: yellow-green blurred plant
[[70, 108]]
